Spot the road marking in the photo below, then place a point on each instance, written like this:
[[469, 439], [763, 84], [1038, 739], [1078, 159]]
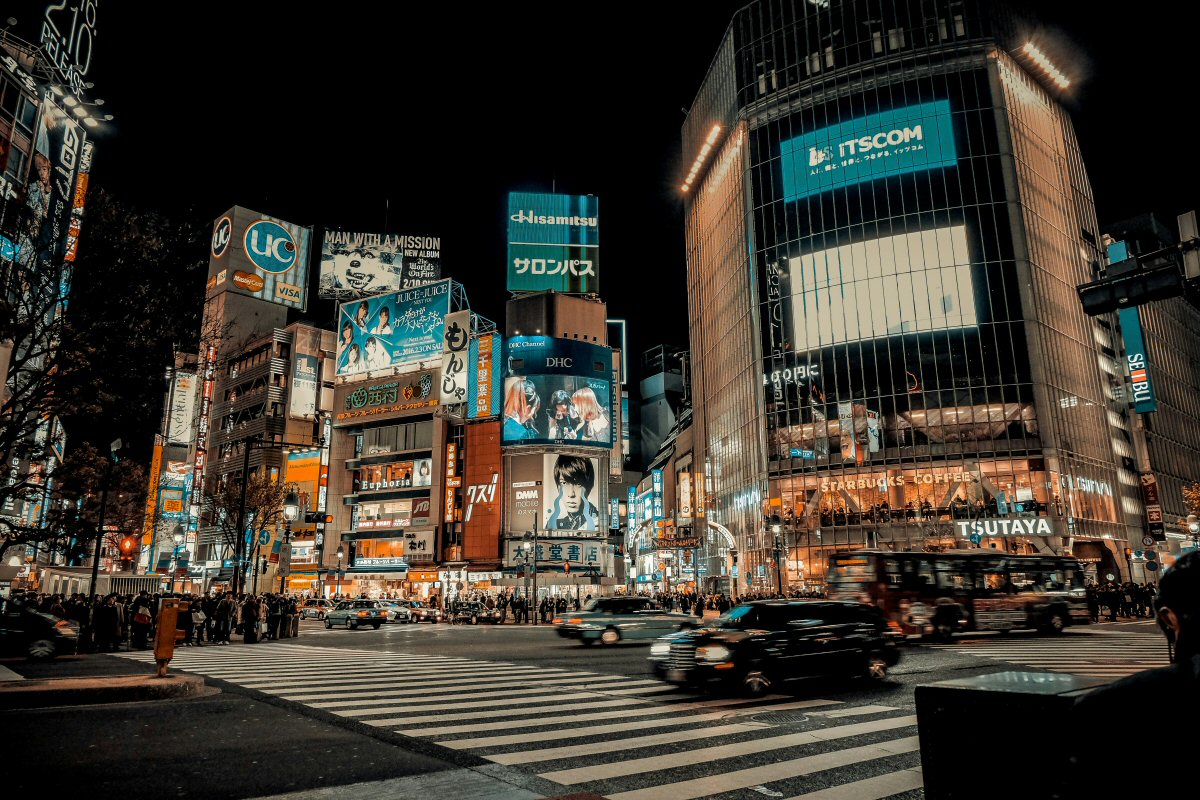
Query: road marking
[[886, 785], [372, 707], [566, 732], [782, 770], [857, 711], [597, 682], [570, 777], [616, 745], [512, 714]]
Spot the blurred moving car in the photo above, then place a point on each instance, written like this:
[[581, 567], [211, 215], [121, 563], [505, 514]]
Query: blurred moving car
[[355, 613], [26, 631], [396, 612], [473, 613], [315, 608], [422, 611], [611, 619], [759, 645]]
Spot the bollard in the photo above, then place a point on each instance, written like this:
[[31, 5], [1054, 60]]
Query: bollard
[[165, 634]]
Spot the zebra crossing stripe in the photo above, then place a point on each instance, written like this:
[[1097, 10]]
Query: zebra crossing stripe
[[857, 711], [767, 773], [886, 785], [617, 745], [564, 731], [512, 714], [444, 702], [597, 683], [570, 777]]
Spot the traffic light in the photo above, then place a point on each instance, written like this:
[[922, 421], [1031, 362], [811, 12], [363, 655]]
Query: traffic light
[[316, 516], [262, 567], [1129, 552], [1133, 282], [127, 545]]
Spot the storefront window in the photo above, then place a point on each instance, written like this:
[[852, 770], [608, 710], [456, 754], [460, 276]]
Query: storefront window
[[401, 475]]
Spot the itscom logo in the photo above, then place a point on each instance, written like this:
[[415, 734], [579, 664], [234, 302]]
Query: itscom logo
[[269, 245], [222, 233]]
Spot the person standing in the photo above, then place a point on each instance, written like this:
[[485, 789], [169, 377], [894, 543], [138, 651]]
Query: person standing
[[250, 619], [224, 617]]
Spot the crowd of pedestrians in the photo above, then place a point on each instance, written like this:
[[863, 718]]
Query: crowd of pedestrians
[[1127, 600], [113, 622]]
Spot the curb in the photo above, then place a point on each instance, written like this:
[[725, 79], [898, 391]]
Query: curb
[[91, 691]]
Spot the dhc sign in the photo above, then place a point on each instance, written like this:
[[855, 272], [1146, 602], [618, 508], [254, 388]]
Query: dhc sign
[[902, 140]]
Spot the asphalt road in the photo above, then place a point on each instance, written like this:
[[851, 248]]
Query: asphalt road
[[338, 708]]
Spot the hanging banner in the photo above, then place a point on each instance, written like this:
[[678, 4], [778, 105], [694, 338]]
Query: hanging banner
[[455, 343], [846, 420], [658, 494], [874, 432]]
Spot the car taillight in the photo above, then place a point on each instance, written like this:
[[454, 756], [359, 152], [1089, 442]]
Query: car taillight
[[575, 621], [364, 613], [557, 621], [894, 626]]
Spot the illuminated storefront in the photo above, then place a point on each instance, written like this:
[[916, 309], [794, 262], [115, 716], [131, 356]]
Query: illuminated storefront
[[887, 346]]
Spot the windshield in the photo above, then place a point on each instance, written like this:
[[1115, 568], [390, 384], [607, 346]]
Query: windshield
[[732, 618], [592, 605]]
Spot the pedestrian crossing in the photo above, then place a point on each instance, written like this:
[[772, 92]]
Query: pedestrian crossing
[[1113, 655], [614, 735]]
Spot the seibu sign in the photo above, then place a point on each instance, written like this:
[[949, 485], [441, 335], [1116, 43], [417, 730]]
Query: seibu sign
[[1039, 526]]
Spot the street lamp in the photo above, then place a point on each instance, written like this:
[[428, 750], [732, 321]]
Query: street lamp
[[526, 552], [177, 537], [776, 527], [1193, 524], [341, 553]]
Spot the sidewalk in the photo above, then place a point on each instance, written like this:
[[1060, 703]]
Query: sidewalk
[[88, 679]]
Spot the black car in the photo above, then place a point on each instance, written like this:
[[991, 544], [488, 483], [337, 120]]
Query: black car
[[25, 630], [760, 645]]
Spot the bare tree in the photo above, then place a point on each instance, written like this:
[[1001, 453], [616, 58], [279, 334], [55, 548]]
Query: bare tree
[[263, 509]]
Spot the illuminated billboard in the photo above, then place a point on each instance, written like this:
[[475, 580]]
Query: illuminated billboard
[[483, 394], [557, 391], [392, 330], [259, 256], [894, 142], [571, 491], [553, 243], [359, 264], [909, 283]]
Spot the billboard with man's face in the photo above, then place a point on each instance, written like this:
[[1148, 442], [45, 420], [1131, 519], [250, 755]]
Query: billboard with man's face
[[570, 493], [557, 392], [392, 330], [360, 264]]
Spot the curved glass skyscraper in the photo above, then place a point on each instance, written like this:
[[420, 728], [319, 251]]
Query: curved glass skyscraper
[[887, 217]]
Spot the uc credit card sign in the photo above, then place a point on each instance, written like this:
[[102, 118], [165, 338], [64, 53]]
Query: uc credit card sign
[[894, 142]]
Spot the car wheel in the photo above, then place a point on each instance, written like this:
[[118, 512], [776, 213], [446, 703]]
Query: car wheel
[[1056, 624], [41, 649], [756, 683], [610, 636], [474, 620], [328, 624], [876, 668], [376, 626], [350, 625]]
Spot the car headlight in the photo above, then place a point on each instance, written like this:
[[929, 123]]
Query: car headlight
[[660, 650], [713, 654]]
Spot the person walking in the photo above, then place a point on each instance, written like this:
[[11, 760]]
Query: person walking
[[224, 617]]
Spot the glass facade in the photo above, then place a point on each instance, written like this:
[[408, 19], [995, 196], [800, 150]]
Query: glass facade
[[910, 224]]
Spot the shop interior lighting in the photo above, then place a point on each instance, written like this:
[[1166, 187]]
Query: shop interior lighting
[[1039, 58], [705, 149]]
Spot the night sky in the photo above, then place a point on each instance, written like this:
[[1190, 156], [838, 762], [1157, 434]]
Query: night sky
[[421, 119]]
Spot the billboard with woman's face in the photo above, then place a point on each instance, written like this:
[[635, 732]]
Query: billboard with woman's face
[[557, 392]]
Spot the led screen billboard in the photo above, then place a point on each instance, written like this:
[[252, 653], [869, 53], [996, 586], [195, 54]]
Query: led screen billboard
[[392, 330], [259, 256], [359, 264], [894, 142], [909, 283], [557, 391], [553, 243], [561, 489]]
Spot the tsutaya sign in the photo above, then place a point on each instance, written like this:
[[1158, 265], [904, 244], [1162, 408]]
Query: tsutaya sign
[[871, 482], [1029, 526]]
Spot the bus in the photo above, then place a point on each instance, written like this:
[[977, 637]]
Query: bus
[[940, 594]]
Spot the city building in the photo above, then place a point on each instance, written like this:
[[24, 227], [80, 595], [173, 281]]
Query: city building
[[886, 218]]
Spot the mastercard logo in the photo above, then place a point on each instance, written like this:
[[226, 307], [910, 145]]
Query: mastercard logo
[[248, 281]]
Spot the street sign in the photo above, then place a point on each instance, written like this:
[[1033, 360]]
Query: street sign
[[1137, 553], [1108, 576], [976, 538], [1148, 541], [264, 537], [1151, 555], [1152, 566]]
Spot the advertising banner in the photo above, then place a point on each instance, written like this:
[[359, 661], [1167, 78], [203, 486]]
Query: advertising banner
[[50, 195], [79, 201], [455, 351], [846, 421], [183, 408], [614, 514], [553, 243], [392, 396], [683, 482], [631, 517], [484, 376], [482, 496], [657, 484], [557, 392], [874, 433], [616, 458], [524, 492], [893, 142], [552, 553], [392, 330], [398, 475], [259, 256], [571, 492], [1144, 399], [360, 264], [304, 387]]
